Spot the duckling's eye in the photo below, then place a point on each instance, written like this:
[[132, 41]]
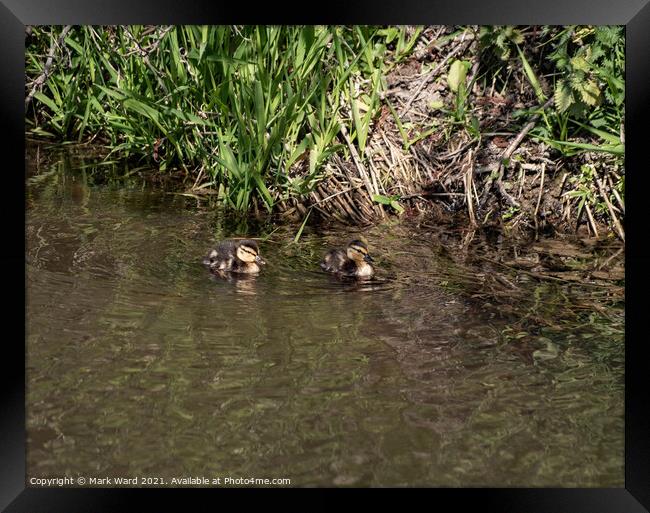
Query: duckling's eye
[[211, 260]]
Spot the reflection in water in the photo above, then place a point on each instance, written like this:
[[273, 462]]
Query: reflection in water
[[243, 283], [141, 362]]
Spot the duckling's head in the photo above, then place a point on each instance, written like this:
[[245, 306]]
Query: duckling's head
[[247, 251], [210, 259], [358, 251]]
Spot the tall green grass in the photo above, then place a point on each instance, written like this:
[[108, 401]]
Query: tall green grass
[[241, 105]]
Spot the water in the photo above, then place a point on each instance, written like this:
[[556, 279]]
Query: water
[[140, 363]]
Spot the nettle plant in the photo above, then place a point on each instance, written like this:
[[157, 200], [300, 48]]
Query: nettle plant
[[500, 39], [590, 62]]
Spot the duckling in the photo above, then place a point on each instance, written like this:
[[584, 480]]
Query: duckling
[[353, 261], [236, 256]]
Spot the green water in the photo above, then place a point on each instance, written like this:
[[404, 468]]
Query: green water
[[142, 364]]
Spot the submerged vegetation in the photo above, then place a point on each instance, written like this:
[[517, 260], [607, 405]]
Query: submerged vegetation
[[521, 126]]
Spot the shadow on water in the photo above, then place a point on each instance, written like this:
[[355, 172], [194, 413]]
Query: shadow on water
[[142, 363]]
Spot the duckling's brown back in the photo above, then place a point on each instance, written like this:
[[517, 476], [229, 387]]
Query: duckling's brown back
[[334, 260], [226, 248], [222, 255]]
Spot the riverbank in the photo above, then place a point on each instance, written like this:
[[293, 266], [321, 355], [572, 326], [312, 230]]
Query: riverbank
[[473, 125]]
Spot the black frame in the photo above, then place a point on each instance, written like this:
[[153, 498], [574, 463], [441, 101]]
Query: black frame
[[16, 14]]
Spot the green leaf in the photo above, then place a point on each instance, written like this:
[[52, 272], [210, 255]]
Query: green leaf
[[457, 74], [400, 127], [358, 125], [392, 202], [260, 112], [298, 151], [378, 198], [47, 101], [113, 92], [302, 227], [517, 37], [590, 93], [563, 96], [264, 192], [532, 78], [313, 159], [399, 208], [615, 149], [142, 108], [475, 124], [228, 160], [579, 62], [613, 139]]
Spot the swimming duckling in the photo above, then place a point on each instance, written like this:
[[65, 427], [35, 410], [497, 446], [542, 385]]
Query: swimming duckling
[[352, 261], [236, 256]]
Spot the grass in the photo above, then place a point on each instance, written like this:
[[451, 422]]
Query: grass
[[239, 105]]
